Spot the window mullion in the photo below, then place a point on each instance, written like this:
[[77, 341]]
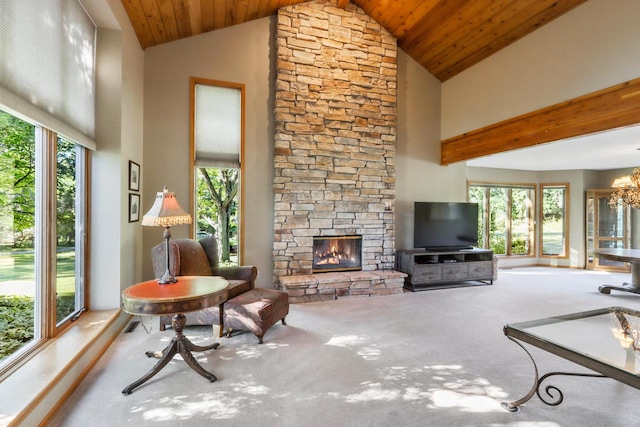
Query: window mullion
[[82, 157], [487, 219], [509, 222], [45, 309]]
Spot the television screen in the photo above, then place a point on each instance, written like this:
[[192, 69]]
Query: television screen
[[445, 226]]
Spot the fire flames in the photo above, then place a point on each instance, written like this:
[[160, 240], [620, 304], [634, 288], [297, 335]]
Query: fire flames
[[332, 256]]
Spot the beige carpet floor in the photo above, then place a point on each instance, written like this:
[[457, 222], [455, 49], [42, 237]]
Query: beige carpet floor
[[432, 358]]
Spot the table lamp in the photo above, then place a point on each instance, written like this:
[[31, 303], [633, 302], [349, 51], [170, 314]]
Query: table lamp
[[166, 212]]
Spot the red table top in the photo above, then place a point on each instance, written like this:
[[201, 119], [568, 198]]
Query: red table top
[[189, 293]]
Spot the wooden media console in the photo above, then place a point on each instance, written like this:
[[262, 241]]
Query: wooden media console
[[444, 269]]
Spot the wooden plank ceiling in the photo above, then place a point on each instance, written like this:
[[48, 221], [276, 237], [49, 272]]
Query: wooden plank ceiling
[[445, 36]]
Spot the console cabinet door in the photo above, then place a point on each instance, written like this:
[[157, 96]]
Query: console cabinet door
[[480, 269], [427, 273], [455, 271]]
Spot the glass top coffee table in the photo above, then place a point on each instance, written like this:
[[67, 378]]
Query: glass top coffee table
[[606, 341]]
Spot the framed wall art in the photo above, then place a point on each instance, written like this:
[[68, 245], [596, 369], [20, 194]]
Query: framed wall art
[[134, 207], [134, 176]]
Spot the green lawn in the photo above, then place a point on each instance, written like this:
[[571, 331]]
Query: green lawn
[[16, 311], [19, 266]]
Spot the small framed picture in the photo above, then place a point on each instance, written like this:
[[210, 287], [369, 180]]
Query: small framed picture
[[134, 207], [134, 176]]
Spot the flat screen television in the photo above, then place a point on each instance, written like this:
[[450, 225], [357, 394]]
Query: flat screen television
[[445, 226]]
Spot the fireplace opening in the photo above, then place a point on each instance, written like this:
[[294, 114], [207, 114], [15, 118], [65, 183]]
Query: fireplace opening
[[337, 253]]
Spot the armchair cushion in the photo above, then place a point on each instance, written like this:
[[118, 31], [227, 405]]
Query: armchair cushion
[[193, 259], [237, 287]]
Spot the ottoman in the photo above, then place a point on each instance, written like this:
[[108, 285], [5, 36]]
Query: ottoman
[[256, 311]]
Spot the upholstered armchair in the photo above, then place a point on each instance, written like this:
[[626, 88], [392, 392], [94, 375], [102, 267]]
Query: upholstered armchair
[[200, 258]]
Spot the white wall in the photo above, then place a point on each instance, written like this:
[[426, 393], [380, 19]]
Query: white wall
[[107, 194], [240, 54], [115, 243], [594, 46], [131, 149], [419, 176]]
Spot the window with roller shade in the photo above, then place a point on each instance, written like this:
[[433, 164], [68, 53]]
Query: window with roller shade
[[47, 129], [217, 141]]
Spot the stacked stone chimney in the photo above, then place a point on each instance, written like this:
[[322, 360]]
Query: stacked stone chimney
[[335, 136]]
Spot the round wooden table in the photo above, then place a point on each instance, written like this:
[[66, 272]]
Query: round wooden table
[[189, 293]]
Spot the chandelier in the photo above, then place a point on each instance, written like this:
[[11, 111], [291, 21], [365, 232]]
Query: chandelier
[[627, 190]]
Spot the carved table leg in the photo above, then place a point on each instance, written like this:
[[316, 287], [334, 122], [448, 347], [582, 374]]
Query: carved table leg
[[179, 344]]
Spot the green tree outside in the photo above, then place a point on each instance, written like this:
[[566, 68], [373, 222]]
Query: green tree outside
[[17, 231], [17, 181], [217, 206]]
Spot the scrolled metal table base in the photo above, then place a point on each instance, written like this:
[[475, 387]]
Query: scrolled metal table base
[[549, 390]]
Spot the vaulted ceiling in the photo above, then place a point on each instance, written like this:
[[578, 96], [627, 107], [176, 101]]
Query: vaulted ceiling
[[445, 36]]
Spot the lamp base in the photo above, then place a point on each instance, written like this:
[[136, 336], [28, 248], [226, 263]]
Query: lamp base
[[167, 279]]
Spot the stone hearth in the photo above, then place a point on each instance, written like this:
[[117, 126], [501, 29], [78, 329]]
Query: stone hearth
[[335, 137], [328, 286]]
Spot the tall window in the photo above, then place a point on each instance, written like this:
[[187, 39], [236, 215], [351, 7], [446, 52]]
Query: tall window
[[47, 90], [553, 219], [42, 214], [506, 221], [217, 142]]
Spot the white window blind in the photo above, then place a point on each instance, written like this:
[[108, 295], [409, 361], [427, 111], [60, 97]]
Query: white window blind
[[218, 126], [47, 65]]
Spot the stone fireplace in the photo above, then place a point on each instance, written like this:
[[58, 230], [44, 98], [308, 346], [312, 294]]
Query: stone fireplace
[[335, 136]]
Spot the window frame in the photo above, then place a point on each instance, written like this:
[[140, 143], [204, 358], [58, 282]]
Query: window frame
[[508, 227], [566, 220], [193, 81], [46, 325]]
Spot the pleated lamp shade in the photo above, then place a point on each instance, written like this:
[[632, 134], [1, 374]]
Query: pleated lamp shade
[[166, 211]]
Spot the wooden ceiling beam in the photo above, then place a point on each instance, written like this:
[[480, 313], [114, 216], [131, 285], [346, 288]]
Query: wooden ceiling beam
[[609, 108]]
